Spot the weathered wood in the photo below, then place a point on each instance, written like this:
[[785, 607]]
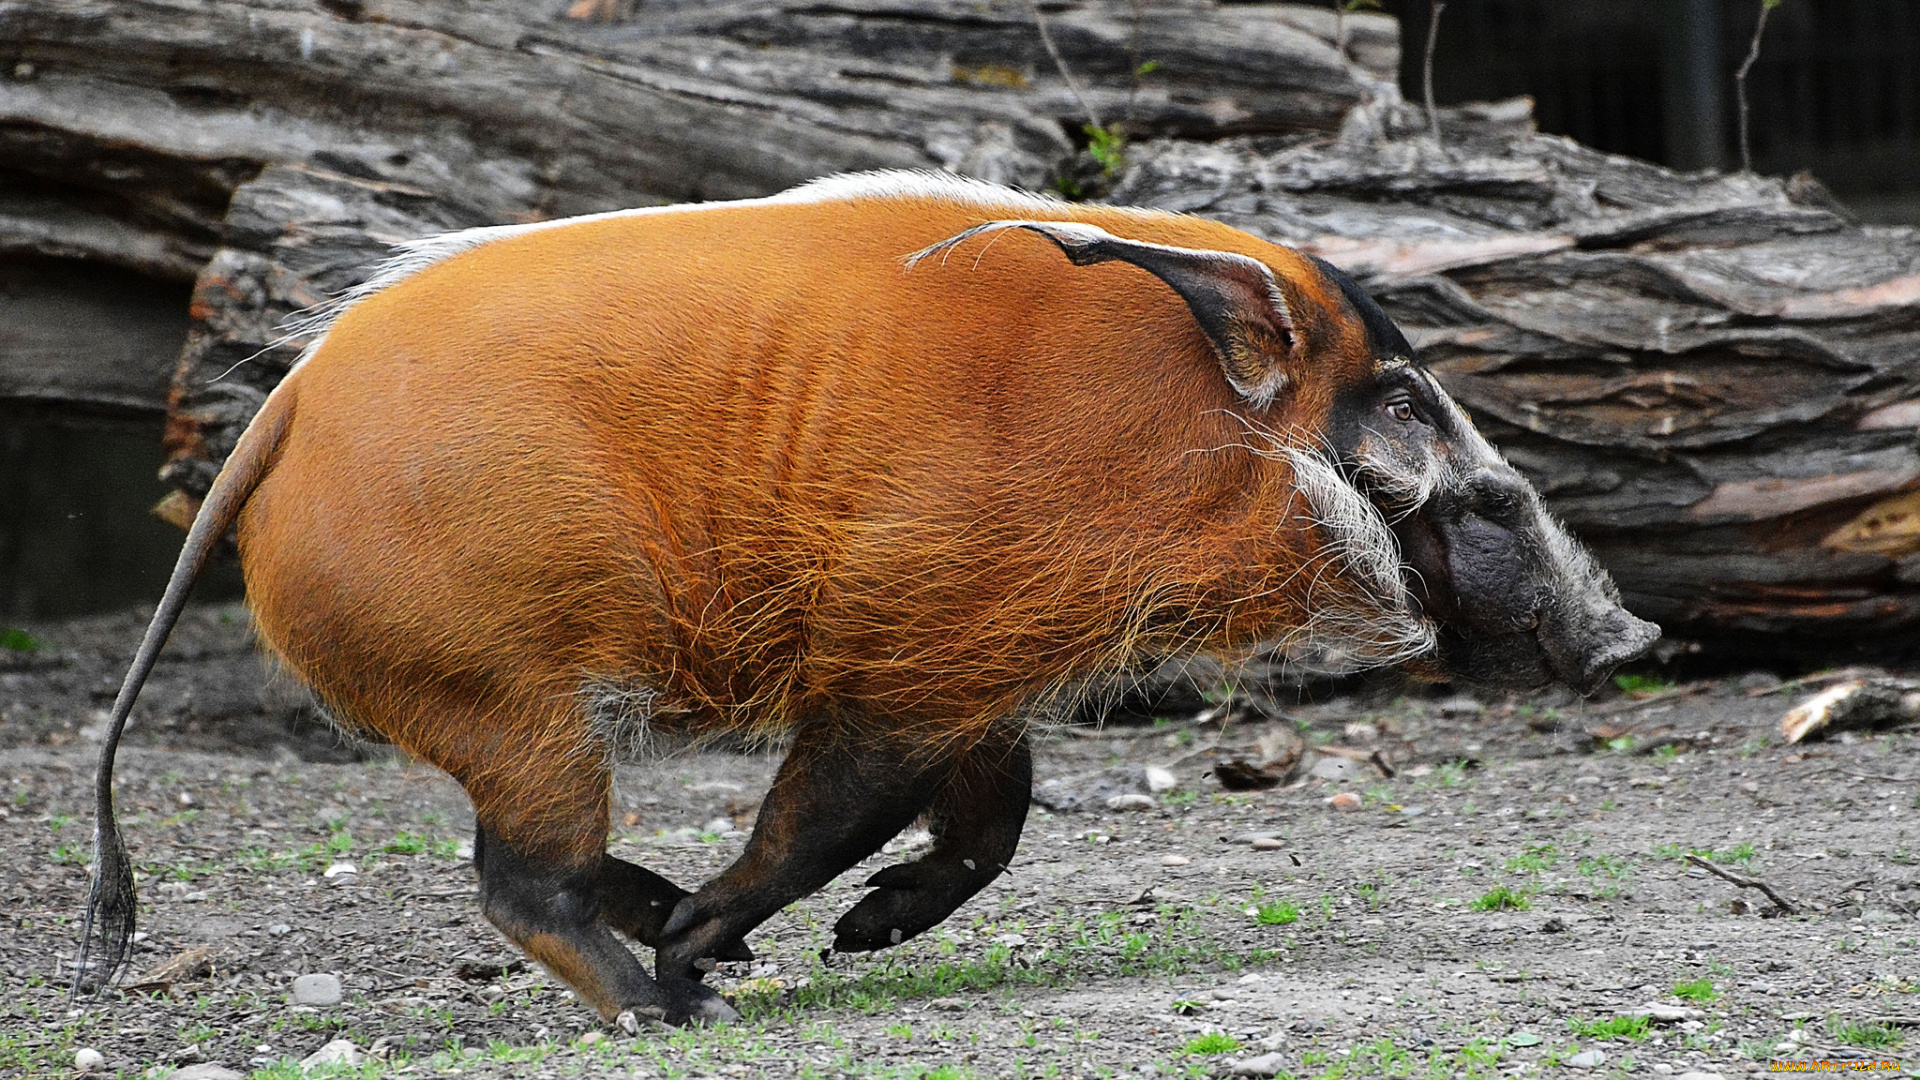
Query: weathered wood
[[1713, 378]]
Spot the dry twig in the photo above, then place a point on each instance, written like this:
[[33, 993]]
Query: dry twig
[[1433, 35], [1060, 62], [1743, 881], [1740, 80]]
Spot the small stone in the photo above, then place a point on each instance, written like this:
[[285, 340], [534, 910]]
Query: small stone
[[1174, 860], [718, 825], [1588, 1059], [337, 1052], [340, 869], [591, 1038], [1159, 779], [320, 989], [279, 929], [1461, 705], [1338, 768], [1699, 1074], [1131, 801], [1661, 1068], [1661, 1013], [1267, 843], [205, 1071], [87, 1059], [1251, 977], [1346, 800], [1264, 1065], [948, 1004]]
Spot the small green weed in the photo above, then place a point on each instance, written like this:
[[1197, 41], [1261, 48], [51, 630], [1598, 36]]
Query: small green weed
[[1534, 860], [1869, 1036], [1620, 1027], [1502, 898], [1701, 990], [1278, 913], [1642, 684], [1739, 854], [1214, 1042], [406, 843], [1108, 146], [1612, 866], [19, 641]]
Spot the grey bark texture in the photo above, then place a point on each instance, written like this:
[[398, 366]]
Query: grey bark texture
[[1715, 379]]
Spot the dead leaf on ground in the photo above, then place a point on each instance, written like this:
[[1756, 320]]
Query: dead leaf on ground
[[472, 972], [186, 966]]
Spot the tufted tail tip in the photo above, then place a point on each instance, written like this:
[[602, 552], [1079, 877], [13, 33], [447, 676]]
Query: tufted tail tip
[[106, 934]]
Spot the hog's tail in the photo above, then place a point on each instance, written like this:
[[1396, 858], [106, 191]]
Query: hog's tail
[[110, 903]]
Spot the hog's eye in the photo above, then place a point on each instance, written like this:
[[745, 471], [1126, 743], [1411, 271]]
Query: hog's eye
[[1401, 409]]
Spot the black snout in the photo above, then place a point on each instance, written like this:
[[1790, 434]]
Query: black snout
[[1519, 603], [1585, 650]]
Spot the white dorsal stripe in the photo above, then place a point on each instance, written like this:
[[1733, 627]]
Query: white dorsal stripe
[[412, 256]]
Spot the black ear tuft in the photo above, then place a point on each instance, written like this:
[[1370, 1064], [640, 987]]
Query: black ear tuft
[[1234, 299]]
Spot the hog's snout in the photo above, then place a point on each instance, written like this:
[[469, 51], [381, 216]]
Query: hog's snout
[[1520, 602], [1584, 650]]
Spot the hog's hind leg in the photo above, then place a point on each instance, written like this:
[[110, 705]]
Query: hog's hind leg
[[540, 849], [976, 818], [637, 902], [837, 798]]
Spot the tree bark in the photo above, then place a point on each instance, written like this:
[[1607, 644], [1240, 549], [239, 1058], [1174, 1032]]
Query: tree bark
[[1711, 377]]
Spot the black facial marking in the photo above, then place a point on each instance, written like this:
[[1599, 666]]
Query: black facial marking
[[1355, 406], [1383, 338]]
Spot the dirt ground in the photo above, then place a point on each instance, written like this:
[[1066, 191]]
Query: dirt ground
[[1210, 928]]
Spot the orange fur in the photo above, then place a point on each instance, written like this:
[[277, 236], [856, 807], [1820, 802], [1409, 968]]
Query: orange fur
[[744, 458]]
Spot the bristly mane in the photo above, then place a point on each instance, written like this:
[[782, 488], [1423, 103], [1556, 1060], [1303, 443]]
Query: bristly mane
[[412, 256]]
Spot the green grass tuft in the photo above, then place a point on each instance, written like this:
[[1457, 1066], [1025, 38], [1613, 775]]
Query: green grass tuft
[[1642, 684], [1534, 859], [1868, 1036], [19, 641], [1502, 898], [1278, 913], [1701, 990], [1214, 1042], [1620, 1027]]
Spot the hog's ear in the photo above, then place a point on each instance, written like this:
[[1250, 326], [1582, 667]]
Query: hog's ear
[[1233, 298]]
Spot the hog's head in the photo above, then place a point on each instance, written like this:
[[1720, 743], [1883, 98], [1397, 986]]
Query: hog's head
[[1482, 583], [1517, 601]]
